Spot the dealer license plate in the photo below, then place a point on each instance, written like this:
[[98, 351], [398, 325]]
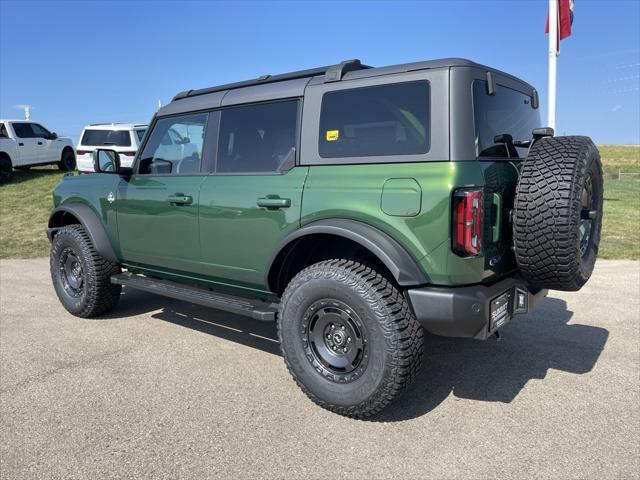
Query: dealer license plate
[[500, 311]]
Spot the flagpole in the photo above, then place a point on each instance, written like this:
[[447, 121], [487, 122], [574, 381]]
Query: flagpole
[[553, 59]]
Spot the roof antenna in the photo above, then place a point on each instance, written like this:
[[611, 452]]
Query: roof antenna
[[27, 110], [159, 104]]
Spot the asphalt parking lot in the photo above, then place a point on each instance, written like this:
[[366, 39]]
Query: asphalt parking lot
[[165, 389]]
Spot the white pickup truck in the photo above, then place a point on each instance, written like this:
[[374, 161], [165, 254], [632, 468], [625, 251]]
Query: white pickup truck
[[24, 143]]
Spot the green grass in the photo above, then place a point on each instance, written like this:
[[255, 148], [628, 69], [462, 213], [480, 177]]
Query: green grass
[[25, 205], [621, 221], [619, 157]]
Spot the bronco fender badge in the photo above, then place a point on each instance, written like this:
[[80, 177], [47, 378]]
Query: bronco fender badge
[[111, 197]]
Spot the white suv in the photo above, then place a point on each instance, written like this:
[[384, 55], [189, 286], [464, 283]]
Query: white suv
[[124, 138]]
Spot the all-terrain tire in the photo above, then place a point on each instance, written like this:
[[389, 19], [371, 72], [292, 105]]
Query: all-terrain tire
[[89, 293], [6, 169], [67, 161], [391, 339], [558, 200]]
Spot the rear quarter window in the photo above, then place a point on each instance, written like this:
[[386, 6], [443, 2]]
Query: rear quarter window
[[507, 112], [380, 120], [117, 138]]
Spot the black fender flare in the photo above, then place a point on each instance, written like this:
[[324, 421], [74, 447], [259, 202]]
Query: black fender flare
[[395, 257], [91, 223]]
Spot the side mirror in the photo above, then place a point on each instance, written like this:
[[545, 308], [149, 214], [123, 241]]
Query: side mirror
[[53, 136], [106, 161]]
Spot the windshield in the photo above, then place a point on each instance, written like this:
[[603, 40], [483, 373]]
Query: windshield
[[507, 112], [118, 138]]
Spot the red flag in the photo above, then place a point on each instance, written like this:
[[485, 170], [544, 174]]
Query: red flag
[[565, 19]]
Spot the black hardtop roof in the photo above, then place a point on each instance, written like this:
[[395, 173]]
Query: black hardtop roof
[[348, 69]]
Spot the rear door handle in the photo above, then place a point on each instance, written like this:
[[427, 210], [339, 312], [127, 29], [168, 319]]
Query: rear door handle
[[21, 144], [273, 203], [179, 199], [39, 143]]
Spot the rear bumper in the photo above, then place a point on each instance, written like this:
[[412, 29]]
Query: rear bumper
[[465, 311], [84, 163]]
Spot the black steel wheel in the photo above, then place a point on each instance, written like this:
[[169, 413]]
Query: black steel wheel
[[348, 337], [335, 340], [71, 272], [6, 169], [588, 214], [67, 161]]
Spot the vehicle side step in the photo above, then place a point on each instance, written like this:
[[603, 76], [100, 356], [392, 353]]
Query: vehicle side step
[[256, 309]]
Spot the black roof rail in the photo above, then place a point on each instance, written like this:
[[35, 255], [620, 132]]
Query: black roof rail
[[332, 73], [335, 72]]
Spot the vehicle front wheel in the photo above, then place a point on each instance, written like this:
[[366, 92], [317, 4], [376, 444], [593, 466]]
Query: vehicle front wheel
[[81, 277], [67, 161], [348, 337]]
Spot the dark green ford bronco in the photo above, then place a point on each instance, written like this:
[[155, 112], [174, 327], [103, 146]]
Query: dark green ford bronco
[[357, 207]]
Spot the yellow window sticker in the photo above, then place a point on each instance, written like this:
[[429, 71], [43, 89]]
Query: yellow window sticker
[[333, 135]]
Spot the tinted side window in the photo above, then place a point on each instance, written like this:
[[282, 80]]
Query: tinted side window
[[140, 134], [39, 131], [257, 138], [382, 120], [175, 145], [118, 138], [506, 112], [3, 131], [23, 130]]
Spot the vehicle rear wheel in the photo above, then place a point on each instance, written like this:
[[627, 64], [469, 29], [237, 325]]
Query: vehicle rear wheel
[[6, 169], [348, 337], [67, 161], [81, 277], [557, 214]]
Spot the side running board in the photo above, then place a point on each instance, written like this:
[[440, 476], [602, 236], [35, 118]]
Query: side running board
[[256, 309]]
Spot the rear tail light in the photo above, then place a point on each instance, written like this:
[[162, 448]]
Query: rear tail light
[[82, 152], [467, 221], [128, 154]]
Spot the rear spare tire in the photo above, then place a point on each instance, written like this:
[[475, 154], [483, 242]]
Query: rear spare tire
[[557, 213]]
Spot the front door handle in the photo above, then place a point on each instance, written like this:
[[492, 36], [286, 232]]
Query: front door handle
[[39, 143], [274, 202], [21, 144], [179, 199]]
